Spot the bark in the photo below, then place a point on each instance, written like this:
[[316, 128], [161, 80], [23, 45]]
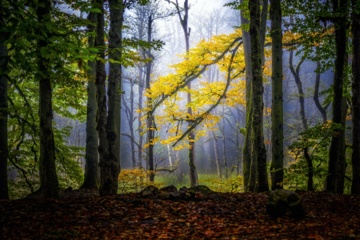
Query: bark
[[110, 167], [48, 177], [337, 162], [4, 191], [277, 136], [247, 156], [150, 117], [257, 140], [355, 187], [91, 179], [101, 101]]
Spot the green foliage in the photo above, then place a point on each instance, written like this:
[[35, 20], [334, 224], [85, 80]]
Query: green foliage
[[317, 139], [232, 184]]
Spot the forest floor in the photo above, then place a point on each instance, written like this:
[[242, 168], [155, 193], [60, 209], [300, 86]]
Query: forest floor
[[219, 216]]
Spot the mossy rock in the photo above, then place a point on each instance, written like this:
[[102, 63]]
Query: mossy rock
[[201, 189], [283, 202]]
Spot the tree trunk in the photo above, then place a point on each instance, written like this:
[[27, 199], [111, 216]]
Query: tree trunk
[[91, 179], [337, 163], [355, 187], [216, 152], [48, 178], [110, 168], [101, 101], [318, 105], [247, 153], [4, 191], [259, 150], [150, 117], [277, 137]]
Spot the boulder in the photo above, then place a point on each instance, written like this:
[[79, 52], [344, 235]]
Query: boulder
[[283, 202], [150, 191]]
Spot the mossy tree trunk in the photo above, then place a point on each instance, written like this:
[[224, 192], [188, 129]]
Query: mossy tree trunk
[[257, 138], [337, 161], [91, 179], [277, 136], [4, 191], [48, 178], [355, 187]]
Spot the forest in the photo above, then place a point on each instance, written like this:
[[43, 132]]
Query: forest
[[109, 110]]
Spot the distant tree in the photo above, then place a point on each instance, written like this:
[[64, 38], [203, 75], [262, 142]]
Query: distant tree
[[355, 188], [183, 14], [277, 121]]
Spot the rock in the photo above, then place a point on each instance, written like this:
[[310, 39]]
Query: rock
[[150, 191], [170, 188], [201, 189], [283, 202]]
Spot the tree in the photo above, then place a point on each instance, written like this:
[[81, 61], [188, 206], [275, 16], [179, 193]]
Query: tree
[[258, 146], [249, 184], [191, 137], [337, 162], [355, 188], [4, 192], [48, 176], [91, 178], [277, 137]]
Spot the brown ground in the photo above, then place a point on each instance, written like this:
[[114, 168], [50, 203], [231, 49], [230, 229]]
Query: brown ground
[[220, 216]]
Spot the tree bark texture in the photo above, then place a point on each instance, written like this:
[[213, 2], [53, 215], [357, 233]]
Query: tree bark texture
[[91, 178], [355, 187], [101, 118], [259, 150], [247, 156], [4, 190], [111, 165], [337, 161], [48, 177], [150, 118], [277, 136]]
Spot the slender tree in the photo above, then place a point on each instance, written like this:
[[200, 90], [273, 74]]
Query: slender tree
[[247, 156], [277, 136], [337, 162], [48, 177], [101, 118], [257, 138], [91, 179], [355, 188], [4, 192]]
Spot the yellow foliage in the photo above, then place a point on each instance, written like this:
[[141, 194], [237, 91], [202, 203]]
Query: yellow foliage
[[133, 180]]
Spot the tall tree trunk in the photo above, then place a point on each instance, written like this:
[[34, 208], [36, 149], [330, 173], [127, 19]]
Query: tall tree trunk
[[91, 179], [101, 100], [277, 136], [131, 124], [259, 150], [48, 178], [355, 187], [150, 117], [4, 191], [337, 162], [110, 168], [247, 153]]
